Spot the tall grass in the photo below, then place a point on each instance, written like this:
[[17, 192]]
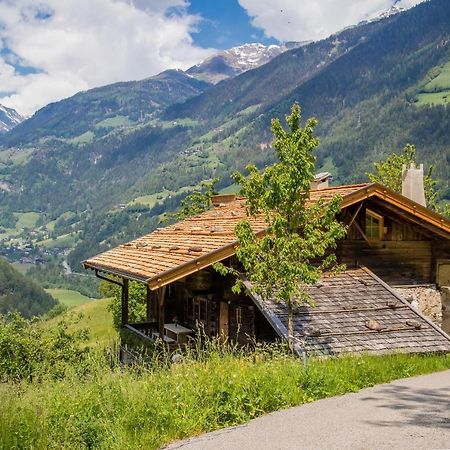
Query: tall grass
[[213, 386]]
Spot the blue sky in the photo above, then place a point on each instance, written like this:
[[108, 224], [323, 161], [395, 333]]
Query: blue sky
[[226, 24]]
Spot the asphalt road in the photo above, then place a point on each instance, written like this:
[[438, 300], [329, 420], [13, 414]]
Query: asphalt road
[[413, 413]]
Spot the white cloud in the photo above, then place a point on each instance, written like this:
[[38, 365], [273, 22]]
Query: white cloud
[[79, 44], [296, 20]]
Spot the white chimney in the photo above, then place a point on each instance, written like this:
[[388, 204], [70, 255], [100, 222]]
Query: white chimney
[[412, 184], [321, 181]]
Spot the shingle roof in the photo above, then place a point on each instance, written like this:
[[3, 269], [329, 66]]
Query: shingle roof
[[187, 245], [171, 253], [339, 323]]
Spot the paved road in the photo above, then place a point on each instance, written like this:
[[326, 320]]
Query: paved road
[[407, 414]]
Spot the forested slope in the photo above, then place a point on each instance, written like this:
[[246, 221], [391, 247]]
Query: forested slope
[[18, 293]]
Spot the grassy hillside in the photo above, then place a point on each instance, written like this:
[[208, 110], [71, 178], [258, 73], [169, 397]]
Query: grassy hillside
[[68, 297], [91, 315]]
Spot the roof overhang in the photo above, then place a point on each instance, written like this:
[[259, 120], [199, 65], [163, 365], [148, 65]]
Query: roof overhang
[[440, 225]]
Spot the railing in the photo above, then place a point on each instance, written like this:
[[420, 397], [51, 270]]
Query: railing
[[145, 330]]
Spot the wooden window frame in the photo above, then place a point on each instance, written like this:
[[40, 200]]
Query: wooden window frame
[[380, 219]]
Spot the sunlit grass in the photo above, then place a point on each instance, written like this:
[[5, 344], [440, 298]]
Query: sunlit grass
[[126, 408], [68, 297], [92, 315]]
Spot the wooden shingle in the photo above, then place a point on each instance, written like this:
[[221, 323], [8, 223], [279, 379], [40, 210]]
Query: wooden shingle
[[344, 303]]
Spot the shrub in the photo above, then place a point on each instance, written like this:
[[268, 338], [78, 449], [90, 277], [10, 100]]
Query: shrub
[[29, 352]]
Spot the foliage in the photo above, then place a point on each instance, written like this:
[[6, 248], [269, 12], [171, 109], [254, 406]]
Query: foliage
[[29, 352], [197, 202], [293, 251], [389, 173], [19, 293], [137, 305], [220, 387], [8, 220], [51, 275]]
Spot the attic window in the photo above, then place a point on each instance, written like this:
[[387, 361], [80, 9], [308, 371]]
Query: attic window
[[374, 226]]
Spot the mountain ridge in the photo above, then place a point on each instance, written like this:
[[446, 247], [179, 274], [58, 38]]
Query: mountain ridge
[[372, 87], [9, 118]]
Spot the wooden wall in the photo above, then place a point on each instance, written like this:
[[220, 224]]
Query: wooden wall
[[396, 262], [406, 254]]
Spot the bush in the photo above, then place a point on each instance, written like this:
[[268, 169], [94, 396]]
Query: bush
[[30, 352], [212, 386]]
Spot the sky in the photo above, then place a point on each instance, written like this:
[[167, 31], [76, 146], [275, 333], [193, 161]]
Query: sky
[[51, 49]]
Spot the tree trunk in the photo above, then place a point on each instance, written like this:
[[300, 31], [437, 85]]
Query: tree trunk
[[290, 326]]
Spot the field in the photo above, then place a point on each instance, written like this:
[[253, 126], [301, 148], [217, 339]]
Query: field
[[152, 199], [63, 241], [68, 297], [436, 91], [92, 315], [131, 408], [113, 122], [24, 220]]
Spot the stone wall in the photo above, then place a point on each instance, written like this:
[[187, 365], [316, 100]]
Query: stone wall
[[446, 309], [427, 300]]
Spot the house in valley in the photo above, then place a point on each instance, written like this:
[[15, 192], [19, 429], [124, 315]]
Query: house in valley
[[395, 248]]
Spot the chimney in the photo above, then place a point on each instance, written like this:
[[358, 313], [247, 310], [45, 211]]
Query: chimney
[[321, 181], [412, 184], [217, 200]]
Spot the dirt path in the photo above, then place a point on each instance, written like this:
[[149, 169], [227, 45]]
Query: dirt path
[[412, 413]]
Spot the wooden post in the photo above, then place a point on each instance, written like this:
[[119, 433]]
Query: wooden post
[[149, 305], [161, 295], [125, 301]]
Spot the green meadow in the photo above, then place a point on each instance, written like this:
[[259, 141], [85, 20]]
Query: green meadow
[[68, 297]]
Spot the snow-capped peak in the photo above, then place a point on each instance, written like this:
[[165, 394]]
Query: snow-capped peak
[[9, 118], [236, 60]]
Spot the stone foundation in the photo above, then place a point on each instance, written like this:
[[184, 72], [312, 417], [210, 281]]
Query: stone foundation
[[446, 308], [427, 300]]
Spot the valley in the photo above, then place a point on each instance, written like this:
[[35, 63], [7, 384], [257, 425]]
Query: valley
[[105, 165]]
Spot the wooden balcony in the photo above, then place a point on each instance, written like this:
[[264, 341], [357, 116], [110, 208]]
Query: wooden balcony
[[174, 335]]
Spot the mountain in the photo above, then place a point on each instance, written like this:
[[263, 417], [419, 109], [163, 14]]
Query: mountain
[[273, 81], [9, 118], [373, 87], [234, 61], [99, 110], [18, 293], [94, 113]]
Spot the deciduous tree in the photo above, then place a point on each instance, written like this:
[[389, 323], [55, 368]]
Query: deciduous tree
[[294, 251], [389, 173]]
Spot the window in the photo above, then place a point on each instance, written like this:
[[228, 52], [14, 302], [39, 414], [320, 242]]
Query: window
[[374, 226], [239, 315]]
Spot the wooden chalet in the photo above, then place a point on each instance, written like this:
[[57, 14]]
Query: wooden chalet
[[391, 241]]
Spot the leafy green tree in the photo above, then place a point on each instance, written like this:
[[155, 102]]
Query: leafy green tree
[[389, 173], [137, 305], [197, 202], [294, 252]]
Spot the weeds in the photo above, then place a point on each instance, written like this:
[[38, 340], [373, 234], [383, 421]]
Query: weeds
[[212, 385]]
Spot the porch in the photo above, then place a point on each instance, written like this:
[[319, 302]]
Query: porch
[[202, 302]]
